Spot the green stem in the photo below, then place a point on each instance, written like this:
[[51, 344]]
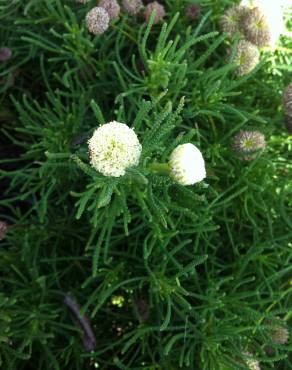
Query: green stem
[[161, 168]]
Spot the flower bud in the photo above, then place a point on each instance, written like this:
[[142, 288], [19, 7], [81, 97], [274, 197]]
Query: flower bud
[[112, 7], [187, 165], [159, 12], [132, 7], [246, 57], [248, 143], [256, 28]]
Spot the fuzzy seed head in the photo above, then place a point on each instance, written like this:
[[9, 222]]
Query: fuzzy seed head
[[159, 10], [251, 362], [113, 148], [187, 165], [232, 19], [287, 100], [248, 143], [3, 229], [97, 20], [256, 28], [193, 11], [280, 334], [5, 54], [247, 57], [132, 7], [112, 7]]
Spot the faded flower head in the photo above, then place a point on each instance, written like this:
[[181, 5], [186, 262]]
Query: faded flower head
[[232, 19], [187, 165], [113, 148], [251, 362], [247, 57], [132, 7], [248, 143], [159, 12], [256, 27], [193, 11], [287, 100], [112, 7], [97, 20], [3, 229], [280, 334], [5, 54]]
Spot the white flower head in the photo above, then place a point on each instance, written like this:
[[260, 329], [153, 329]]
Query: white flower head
[[113, 148], [97, 20], [187, 164]]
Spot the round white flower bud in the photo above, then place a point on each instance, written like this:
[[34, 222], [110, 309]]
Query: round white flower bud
[[187, 164], [97, 20], [113, 148]]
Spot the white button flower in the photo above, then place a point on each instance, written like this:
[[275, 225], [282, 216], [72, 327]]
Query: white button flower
[[113, 148], [187, 164]]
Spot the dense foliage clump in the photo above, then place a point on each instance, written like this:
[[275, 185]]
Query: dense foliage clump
[[165, 243]]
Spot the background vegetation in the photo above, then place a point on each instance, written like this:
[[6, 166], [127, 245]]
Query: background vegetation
[[169, 276]]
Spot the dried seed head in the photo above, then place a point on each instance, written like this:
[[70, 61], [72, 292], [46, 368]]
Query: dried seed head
[[3, 229], [248, 143], [247, 57], [251, 362], [187, 165], [112, 7], [287, 100], [256, 28], [97, 20], [113, 148], [132, 7], [288, 123], [193, 11], [5, 54], [232, 19], [159, 10], [280, 334]]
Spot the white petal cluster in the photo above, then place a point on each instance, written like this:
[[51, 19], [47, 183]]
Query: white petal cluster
[[113, 148], [187, 164]]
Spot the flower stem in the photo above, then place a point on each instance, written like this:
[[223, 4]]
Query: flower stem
[[161, 168]]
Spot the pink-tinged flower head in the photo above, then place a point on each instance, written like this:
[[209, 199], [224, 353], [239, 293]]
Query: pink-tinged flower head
[[159, 12], [112, 7]]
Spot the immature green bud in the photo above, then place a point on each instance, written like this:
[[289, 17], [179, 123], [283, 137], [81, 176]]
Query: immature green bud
[[287, 100], [231, 21], [132, 7], [97, 20], [248, 143], [247, 57], [112, 7], [256, 28], [159, 10]]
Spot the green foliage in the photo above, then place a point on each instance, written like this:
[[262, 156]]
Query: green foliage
[[203, 271]]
